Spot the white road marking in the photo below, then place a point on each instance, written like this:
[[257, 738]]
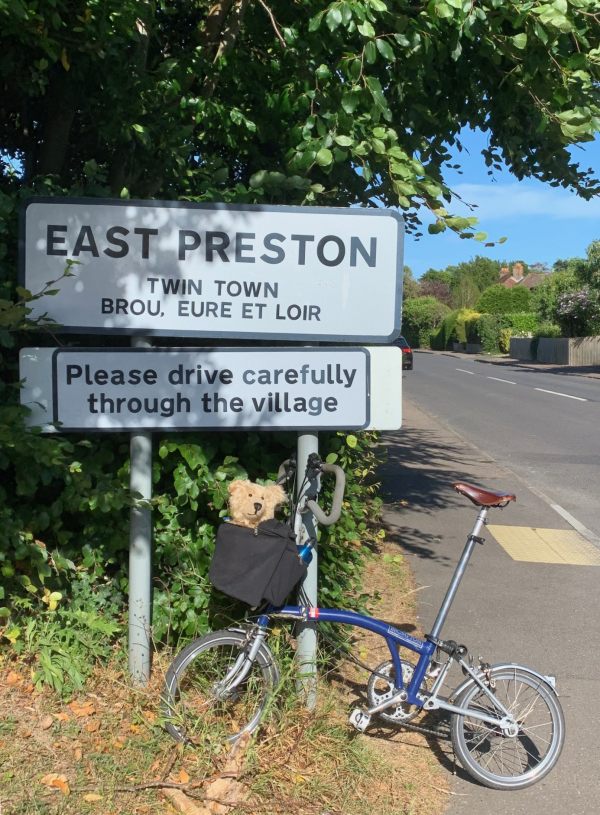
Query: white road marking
[[462, 370], [497, 379], [577, 525], [566, 395]]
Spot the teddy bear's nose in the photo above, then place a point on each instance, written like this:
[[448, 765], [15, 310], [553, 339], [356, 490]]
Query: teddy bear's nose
[[257, 506]]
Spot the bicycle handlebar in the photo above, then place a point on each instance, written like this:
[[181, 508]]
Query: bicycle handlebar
[[316, 466], [338, 497]]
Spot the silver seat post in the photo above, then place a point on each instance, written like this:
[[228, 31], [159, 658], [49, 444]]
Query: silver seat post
[[459, 571]]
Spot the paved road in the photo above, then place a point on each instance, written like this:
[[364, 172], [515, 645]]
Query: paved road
[[539, 614], [544, 426]]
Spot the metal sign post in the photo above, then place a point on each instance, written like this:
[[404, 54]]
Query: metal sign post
[[140, 553], [306, 652]]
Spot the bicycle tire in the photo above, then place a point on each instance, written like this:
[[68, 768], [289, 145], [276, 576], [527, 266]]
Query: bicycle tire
[[197, 709], [517, 761]]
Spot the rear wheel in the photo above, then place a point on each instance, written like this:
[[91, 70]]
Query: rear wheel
[[208, 694], [510, 762]]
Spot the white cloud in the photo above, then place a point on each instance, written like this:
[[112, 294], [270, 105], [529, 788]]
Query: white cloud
[[499, 201]]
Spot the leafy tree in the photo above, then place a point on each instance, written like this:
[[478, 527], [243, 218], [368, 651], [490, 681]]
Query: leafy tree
[[347, 102], [421, 316], [410, 286], [437, 276], [588, 270], [471, 278], [436, 288], [544, 298], [578, 312]]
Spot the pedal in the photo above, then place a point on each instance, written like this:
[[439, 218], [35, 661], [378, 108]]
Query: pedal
[[360, 719]]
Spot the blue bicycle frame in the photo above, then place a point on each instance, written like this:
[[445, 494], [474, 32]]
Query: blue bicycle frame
[[393, 637]]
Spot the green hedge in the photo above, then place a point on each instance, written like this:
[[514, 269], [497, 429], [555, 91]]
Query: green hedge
[[420, 316], [453, 328], [494, 331], [498, 299]]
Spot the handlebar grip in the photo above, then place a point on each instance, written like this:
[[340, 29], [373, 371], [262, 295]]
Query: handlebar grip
[[338, 496]]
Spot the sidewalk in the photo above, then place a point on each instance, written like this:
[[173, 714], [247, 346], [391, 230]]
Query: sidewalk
[[590, 371], [537, 614]]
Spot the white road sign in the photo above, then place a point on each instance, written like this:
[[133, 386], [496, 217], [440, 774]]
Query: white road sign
[[212, 388], [186, 389], [179, 269]]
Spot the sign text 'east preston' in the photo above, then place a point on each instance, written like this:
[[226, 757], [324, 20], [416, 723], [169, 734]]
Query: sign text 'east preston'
[[168, 268]]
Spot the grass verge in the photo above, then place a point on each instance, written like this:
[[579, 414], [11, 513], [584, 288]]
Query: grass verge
[[104, 752]]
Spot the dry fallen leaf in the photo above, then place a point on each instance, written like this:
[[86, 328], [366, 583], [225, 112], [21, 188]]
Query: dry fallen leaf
[[78, 754], [92, 796], [47, 722], [82, 709], [12, 678], [56, 781], [184, 804], [92, 726], [62, 717]]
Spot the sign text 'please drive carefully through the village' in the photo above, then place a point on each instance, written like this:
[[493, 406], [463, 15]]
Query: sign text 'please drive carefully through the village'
[[187, 389]]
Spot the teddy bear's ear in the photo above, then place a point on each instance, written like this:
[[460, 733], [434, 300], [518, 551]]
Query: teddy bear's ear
[[277, 494], [237, 485]]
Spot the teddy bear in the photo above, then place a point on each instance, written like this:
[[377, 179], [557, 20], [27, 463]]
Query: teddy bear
[[250, 504]]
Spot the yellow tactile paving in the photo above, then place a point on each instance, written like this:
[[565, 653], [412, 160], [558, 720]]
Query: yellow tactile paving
[[535, 545]]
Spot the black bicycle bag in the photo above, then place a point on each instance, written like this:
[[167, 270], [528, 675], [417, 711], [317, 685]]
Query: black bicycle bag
[[256, 565]]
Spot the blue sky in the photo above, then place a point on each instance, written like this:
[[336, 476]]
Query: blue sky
[[541, 223]]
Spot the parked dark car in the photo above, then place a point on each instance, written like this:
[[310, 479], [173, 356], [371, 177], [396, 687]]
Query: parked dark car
[[407, 354]]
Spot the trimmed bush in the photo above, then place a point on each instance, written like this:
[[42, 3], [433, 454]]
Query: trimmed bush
[[421, 316], [453, 328], [522, 324], [500, 300]]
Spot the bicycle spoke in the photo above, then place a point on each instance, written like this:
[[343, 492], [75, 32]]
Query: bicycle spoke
[[509, 761]]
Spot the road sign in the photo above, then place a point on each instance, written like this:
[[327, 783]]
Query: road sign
[[212, 388], [180, 269]]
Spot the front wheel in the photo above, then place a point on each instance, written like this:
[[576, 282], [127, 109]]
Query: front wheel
[[211, 691], [510, 762]]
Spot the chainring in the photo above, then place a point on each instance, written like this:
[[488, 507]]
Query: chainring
[[381, 687]]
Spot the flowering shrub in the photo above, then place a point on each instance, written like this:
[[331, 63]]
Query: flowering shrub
[[578, 312]]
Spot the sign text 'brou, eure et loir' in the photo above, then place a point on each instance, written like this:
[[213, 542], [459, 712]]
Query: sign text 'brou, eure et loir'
[[195, 270]]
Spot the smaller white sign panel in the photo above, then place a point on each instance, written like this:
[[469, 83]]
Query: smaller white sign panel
[[217, 388]]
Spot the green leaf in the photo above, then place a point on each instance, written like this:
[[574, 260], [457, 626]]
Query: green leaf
[[443, 10], [370, 52], [333, 18], [385, 49], [351, 441], [343, 141], [350, 101], [519, 41], [324, 157], [366, 29]]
